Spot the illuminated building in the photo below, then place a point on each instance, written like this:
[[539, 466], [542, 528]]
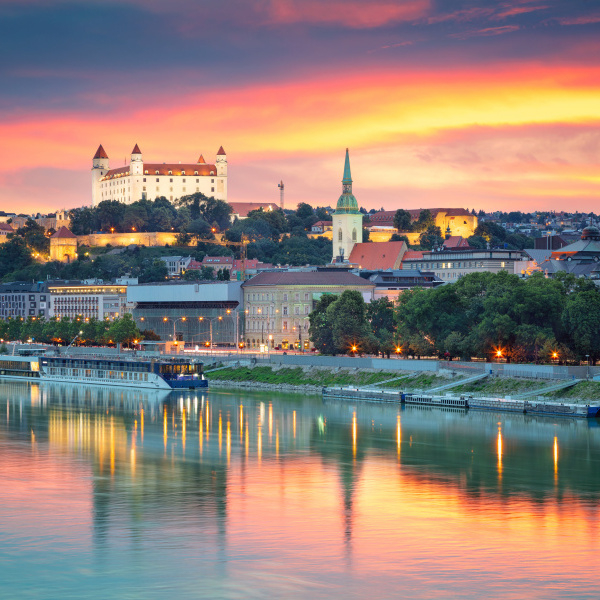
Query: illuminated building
[[139, 180]]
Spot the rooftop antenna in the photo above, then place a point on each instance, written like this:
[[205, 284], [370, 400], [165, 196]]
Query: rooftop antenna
[[280, 186]]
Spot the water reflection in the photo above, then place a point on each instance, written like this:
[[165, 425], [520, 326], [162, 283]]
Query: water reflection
[[293, 498]]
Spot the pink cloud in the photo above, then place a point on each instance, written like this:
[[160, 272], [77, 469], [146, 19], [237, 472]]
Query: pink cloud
[[585, 20], [517, 10], [350, 13], [485, 32]]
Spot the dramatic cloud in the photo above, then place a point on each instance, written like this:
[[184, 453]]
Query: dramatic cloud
[[479, 103]]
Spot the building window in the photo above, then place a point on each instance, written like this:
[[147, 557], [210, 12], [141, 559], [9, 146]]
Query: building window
[[339, 235], [144, 180], [285, 297], [285, 310], [212, 189], [183, 173], [157, 180], [297, 311], [171, 173], [354, 234], [285, 325], [197, 180], [306, 309], [156, 172]]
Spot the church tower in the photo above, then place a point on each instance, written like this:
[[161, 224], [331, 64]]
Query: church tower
[[99, 169], [221, 164], [347, 219]]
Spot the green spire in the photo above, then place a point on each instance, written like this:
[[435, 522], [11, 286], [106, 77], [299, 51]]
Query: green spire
[[347, 176], [347, 202]]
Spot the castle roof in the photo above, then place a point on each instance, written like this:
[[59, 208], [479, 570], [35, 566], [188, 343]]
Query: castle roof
[[221, 152], [378, 255], [136, 150], [63, 232], [201, 160], [176, 169], [100, 153], [6, 227]]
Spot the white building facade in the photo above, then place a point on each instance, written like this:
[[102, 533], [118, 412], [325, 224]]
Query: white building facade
[[140, 180]]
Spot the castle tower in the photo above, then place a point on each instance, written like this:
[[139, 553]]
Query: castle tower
[[99, 169], [221, 164], [63, 245], [136, 170], [347, 219]]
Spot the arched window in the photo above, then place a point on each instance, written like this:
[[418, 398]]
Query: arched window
[[339, 235], [354, 234]]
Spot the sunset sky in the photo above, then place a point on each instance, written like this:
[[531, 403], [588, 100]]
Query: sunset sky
[[476, 104]]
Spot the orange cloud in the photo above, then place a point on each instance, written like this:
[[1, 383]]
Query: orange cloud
[[394, 116]]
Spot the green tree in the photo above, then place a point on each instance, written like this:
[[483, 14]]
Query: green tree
[[14, 255], [124, 330], [320, 330], [35, 236], [432, 237], [109, 214], [349, 325], [402, 220], [581, 318], [424, 221]]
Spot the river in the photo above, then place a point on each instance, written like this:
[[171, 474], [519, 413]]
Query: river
[[108, 493]]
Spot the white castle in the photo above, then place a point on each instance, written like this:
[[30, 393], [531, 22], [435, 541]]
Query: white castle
[[140, 180]]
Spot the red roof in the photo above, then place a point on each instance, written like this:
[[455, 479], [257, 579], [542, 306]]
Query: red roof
[[456, 241], [221, 152], [6, 227], [387, 216], [100, 153], [163, 169], [243, 208], [63, 232], [322, 223], [136, 150], [412, 255], [378, 255], [201, 160], [312, 278]]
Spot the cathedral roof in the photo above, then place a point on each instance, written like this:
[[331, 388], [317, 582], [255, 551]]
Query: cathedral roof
[[221, 152], [100, 153], [136, 150], [63, 232]]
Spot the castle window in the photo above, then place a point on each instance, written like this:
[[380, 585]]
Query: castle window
[[144, 189], [197, 180], [184, 179], [183, 172], [171, 173], [156, 172], [212, 180], [196, 173], [170, 180], [157, 180], [197, 189], [212, 172], [145, 178], [354, 234], [339, 235], [212, 189]]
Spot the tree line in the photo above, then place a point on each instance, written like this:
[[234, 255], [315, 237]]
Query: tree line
[[63, 331], [482, 315]]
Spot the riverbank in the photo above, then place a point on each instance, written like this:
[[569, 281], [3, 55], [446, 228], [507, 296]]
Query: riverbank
[[313, 379]]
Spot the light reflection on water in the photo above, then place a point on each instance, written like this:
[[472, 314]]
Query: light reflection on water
[[134, 494]]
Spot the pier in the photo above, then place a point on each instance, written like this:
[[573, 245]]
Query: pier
[[464, 401]]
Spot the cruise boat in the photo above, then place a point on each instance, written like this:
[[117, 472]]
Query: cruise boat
[[167, 374]]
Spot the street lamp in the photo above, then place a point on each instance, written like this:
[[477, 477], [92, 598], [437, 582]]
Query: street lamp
[[210, 322]]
